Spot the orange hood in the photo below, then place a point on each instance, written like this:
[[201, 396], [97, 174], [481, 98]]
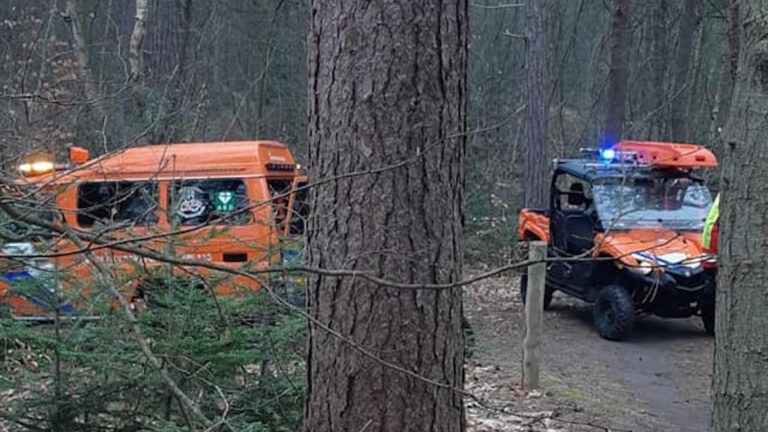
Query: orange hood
[[655, 246]]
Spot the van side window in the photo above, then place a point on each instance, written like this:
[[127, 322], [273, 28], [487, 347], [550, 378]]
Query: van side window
[[279, 193], [110, 202], [300, 210], [218, 201]]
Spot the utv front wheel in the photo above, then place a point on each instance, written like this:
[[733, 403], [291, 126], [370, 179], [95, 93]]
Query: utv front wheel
[[614, 312], [524, 291]]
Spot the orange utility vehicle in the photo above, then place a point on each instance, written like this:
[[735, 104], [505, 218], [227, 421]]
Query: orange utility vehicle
[[228, 203], [624, 232]]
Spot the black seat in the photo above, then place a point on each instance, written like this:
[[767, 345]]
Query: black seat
[[577, 227]]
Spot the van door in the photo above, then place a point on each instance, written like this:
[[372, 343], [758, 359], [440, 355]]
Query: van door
[[290, 211], [572, 229], [280, 197], [299, 206]]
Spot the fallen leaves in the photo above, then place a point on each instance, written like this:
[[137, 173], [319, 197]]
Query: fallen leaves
[[504, 405]]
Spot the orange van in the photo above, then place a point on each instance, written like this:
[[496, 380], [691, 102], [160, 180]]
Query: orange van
[[228, 203]]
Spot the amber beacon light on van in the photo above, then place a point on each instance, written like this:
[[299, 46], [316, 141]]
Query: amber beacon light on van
[[40, 163]]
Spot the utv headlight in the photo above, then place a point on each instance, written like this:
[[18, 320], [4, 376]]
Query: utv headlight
[[644, 268]]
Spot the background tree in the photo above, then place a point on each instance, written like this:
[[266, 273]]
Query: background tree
[[659, 47], [728, 76], [740, 381], [231, 70], [618, 73], [136, 56], [689, 23], [387, 89], [90, 86], [537, 84]]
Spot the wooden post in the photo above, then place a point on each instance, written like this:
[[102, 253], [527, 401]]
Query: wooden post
[[534, 310]]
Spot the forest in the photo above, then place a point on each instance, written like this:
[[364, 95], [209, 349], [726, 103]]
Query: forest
[[383, 215]]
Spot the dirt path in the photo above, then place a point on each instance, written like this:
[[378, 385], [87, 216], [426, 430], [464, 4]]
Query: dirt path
[[657, 380]]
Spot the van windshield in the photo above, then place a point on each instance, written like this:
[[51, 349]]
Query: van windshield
[[112, 202], [218, 201], [38, 205], [678, 203]]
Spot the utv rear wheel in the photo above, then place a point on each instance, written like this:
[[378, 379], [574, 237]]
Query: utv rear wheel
[[614, 313], [524, 291]]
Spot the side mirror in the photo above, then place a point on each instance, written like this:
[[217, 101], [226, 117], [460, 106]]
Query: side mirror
[[78, 155]]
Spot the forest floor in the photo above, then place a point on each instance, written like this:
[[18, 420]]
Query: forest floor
[[657, 380]]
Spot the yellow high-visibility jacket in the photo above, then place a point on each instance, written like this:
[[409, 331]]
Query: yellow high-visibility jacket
[[709, 223]]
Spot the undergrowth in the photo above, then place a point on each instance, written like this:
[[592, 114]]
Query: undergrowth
[[241, 361]]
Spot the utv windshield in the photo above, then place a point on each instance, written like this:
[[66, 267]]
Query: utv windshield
[[678, 203]]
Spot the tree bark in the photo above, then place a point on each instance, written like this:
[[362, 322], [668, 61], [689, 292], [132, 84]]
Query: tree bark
[[683, 77], [387, 86], [90, 89], [659, 95], [184, 88], [617, 75], [536, 137], [740, 379], [136, 55], [729, 77], [733, 36]]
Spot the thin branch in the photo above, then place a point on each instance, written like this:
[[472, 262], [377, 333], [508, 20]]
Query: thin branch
[[498, 6]]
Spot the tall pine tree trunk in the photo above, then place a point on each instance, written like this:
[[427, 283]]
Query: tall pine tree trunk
[[387, 86], [729, 74], [90, 88], [683, 78], [660, 60], [536, 137], [617, 75], [740, 381]]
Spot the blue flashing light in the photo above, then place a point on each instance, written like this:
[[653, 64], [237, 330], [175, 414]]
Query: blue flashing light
[[607, 155]]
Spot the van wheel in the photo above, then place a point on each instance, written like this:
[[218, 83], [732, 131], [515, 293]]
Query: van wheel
[[548, 292], [614, 312]]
